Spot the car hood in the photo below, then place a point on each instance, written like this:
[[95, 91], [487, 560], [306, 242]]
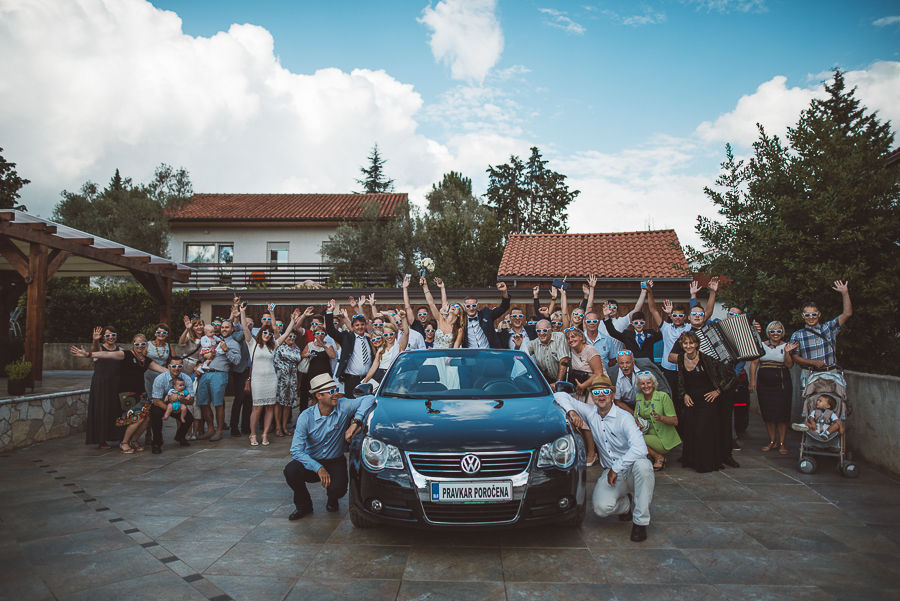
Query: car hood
[[467, 425]]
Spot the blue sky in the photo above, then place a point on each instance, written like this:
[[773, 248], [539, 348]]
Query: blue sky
[[634, 102]]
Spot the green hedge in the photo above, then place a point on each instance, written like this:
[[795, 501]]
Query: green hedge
[[74, 308]]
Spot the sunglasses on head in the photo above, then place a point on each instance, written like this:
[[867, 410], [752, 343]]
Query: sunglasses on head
[[472, 306], [644, 373], [599, 391], [591, 322], [638, 322], [110, 335], [624, 352], [360, 315], [390, 334], [816, 314], [677, 314], [775, 331], [140, 344], [161, 332], [542, 330], [569, 329]]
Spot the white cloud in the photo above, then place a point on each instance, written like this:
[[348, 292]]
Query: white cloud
[[727, 6], [885, 21], [561, 21], [466, 35], [778, 107], [645, 19]]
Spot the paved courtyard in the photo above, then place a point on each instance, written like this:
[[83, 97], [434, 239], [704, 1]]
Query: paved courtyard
[[210, 522]]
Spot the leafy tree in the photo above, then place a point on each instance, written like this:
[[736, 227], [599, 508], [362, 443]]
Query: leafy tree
[[127, 213], [375, 246], [461, 234], [799, 216], [10, 184], [529, 198], [374, 180]]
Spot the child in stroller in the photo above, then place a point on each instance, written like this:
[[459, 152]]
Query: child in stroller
[[825, 408]]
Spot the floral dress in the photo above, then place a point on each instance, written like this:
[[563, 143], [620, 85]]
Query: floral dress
[[287, 357]]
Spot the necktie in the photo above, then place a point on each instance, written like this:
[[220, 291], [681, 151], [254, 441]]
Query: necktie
[[365, 349], [640, 339]]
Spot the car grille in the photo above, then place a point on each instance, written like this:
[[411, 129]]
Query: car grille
[[447, 465], [480, 513]]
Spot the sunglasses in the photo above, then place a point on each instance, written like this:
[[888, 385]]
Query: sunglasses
[[110, 335], [531, 322], [569, 329], [376, 338], [267, 333], [429, 330], [332, 391], [613, 306], [360, 315], [638, 323], [319, 334], [475, 306], [732, 313], [677, 314], [542, 330], [140, 344], [161, 332], [624, 352], [392, 314], [517, 316], [776, 331], [556, 323], [216, 323], [292, 335], [422, 314], [644, 373], [816, 314], [591, 322], [377, 325], [390, 334], [266, 319], [176, 366], [577, 314], [697, 314], [601, 391]]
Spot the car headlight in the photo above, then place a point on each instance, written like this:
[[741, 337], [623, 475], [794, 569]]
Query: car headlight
[[559, 453], [378, 455]]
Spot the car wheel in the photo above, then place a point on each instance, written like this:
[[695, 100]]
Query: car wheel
[[576, 520], [358, 520]]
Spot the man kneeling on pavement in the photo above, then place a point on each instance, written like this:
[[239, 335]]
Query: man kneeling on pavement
[[626, 486], [320, 440]]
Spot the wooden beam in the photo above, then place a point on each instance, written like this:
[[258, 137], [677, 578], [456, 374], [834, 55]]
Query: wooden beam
[[56, 260], [19, 232], [151, 285], [6, 215], [15, 256], [34, 322], [165, 308]]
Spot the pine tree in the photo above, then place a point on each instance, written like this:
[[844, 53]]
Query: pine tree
[[375, 181]]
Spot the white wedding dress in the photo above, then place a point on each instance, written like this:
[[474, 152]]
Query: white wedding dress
[[449, 374]]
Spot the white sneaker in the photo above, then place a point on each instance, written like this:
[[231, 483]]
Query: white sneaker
[[800, 427], [192, 437]]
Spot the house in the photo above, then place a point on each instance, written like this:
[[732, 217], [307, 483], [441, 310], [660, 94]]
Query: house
[[237, 240], [620, 260]]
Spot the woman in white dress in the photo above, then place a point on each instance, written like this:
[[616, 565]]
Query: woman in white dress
[[387, 351], [263, 381], [449, 333]]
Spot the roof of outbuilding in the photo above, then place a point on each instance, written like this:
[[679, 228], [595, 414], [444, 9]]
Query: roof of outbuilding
[[645, 254], [282, 207]]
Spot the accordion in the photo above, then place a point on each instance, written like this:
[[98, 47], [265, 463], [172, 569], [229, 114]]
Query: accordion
[[731, 340]]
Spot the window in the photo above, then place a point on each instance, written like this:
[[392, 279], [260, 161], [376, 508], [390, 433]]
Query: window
[[226, 253], [209, 253], [278, 252]]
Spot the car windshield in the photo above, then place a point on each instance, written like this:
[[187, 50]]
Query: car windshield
[[463, 373]]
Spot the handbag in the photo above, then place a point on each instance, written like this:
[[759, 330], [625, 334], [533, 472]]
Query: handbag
[[247, 388]]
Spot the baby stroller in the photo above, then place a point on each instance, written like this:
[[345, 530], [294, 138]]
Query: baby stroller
[[832, 383]]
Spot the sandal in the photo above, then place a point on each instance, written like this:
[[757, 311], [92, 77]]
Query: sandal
[[279, 432], [769, 446], [126, 448], [136, 446], [659, 464], [253, 442], [265, 439], [783, 450]]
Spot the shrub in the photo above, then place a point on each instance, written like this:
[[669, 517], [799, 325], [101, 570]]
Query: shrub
[[18, 370]]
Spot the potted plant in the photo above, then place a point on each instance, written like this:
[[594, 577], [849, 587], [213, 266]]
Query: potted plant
[[17, 372]]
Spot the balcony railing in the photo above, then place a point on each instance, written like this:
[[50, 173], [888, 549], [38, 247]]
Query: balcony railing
[[269, 275]]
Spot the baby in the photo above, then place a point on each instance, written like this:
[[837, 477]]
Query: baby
[[208, 343], [823, 421], [176, 397]]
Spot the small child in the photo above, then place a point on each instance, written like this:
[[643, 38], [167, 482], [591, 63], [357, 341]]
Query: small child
[[176, 397], [208, 343], [823, 421]]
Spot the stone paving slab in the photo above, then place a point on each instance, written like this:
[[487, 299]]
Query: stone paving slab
[[209, 521]]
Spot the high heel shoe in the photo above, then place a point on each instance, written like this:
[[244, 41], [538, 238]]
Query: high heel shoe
[[265, 440], [253, 442]]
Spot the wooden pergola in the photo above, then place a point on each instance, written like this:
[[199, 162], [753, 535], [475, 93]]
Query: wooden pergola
[[33, 250]]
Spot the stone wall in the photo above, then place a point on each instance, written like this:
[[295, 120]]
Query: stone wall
[[27, 420]]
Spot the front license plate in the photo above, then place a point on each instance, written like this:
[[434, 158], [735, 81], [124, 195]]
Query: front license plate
[[471, 492]]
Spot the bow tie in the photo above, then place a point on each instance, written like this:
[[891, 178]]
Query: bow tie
[[473, 319]]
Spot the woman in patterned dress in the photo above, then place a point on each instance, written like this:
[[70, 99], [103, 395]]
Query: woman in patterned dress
[[287, 358]]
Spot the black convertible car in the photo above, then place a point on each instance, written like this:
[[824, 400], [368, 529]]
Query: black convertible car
[[466, 438]]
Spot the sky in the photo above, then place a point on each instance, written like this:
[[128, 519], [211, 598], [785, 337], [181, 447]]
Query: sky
[[633, 102]]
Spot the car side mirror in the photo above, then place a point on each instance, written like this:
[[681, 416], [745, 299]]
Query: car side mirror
[[364, 389], [563, 386]]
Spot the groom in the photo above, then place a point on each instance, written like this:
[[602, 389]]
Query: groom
[[479, 331]]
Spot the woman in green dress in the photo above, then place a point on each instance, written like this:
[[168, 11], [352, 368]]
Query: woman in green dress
[[657, 409]]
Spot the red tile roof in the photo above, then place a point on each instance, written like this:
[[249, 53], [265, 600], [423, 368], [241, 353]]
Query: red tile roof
[[281, 207], [643, 254]]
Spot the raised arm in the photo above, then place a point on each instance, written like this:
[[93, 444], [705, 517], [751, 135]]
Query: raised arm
[[612, 331], [848, 307], [651, 306], [95, 339], [405, 286], [245, 325], [187, 328], [711, 302], [116, 355], [329, 321], [294, 322], [429, 299], [440, 284], [589, 293], [564, 305], [498, 312], [404, 338], [553, 292], [639, 304]]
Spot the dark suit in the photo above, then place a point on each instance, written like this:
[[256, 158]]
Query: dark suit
[[505, 335], [347, 340], [629, 339], [486, 318]]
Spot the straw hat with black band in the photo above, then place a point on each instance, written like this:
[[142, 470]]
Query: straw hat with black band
[[322, 383]]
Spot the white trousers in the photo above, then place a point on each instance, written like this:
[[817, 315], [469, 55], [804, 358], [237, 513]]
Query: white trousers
[[639, 481]]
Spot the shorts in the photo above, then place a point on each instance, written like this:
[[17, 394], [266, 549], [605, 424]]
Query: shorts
[[211, 390]]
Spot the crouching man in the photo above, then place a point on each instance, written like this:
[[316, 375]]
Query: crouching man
[[626, 486], [319, 444]]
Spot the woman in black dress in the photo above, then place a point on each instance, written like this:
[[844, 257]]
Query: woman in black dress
[[320, 355], [103, 403], [701, 379]]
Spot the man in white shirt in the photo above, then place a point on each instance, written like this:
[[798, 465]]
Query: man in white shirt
[[598, 338], [626, 486], [611, 309], [625, 384]]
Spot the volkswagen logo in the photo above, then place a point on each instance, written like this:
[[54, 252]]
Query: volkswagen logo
[[470, 464]]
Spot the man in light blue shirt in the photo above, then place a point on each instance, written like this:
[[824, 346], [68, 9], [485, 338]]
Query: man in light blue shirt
[[161, 385], [319, 444]]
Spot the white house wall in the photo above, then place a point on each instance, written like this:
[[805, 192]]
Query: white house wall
[[251, 242]]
